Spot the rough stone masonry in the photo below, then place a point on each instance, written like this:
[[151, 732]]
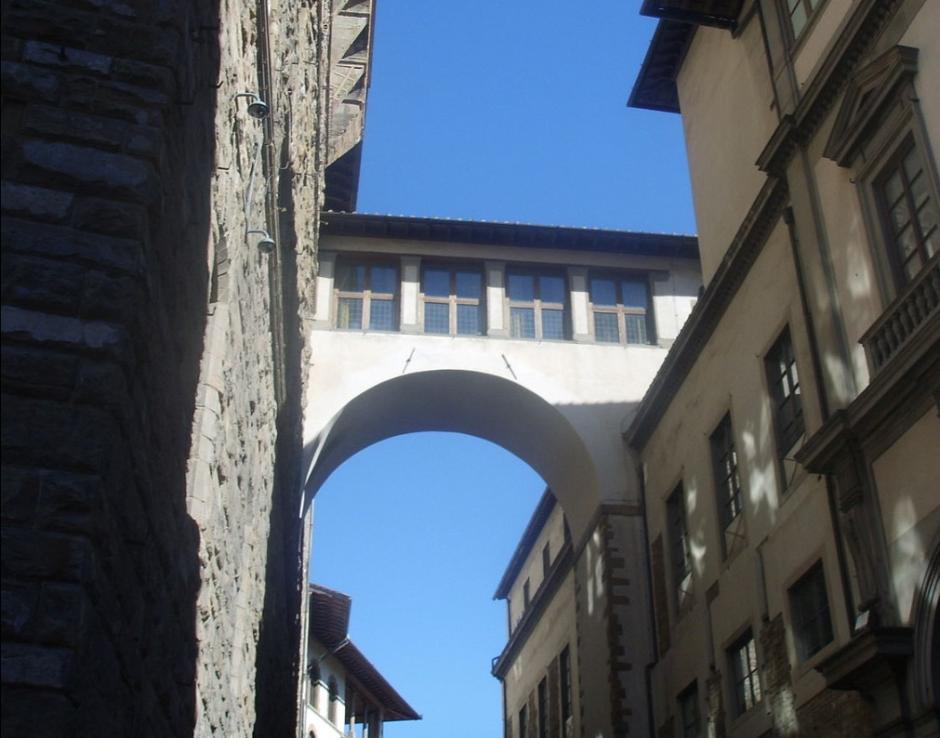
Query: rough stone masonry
[[151, 360]]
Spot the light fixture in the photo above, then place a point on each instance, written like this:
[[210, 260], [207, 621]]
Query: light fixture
[[257, 108], [265, 244]]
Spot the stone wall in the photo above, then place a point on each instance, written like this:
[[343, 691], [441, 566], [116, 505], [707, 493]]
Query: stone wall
[[151, 456]]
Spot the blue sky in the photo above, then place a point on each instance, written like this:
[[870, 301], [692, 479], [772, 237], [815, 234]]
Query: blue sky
[[491, 110]]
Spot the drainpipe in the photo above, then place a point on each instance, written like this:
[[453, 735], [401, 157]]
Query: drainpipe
[[823, 397]]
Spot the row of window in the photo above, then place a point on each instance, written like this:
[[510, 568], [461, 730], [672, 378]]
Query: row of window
[[550, 702], [452, 297]]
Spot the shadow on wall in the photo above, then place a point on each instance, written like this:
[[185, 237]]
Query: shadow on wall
[[108, 130]]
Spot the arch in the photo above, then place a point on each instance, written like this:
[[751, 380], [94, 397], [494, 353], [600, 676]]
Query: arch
[[927, 632], [475, 403]]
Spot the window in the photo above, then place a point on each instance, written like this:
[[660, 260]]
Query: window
[[784, 383], [679, 542], [746, 683], [367, 296], [908, 212], [564, 674], [313, 671], [453, 300], [543, 709], [727, 480], [689, 712], [526, 595], [621, 309], [334, 700], [524, 721], [798, 14], [537, 304], [546, 558], [809, 608]]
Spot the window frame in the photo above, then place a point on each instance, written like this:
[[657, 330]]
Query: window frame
[[814, 576], [744, 685], [777, 399], [730, 506], [453, 300], [541, 701], [565, 689], [689, 696], [537, 305], [366, 295], [523, 720], [677, 526], [333, 706], [621, 310]]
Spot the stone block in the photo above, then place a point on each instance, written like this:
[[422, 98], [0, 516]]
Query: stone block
[[42, 283], [80, 166], [109, 216], [37, 713], [20, 491], [58, 330], [33, 371], [26, 82], [66, 58], [33, 554], [35, 202], [18, 606]]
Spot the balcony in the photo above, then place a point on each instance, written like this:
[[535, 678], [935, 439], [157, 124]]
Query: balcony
[[917, 304]]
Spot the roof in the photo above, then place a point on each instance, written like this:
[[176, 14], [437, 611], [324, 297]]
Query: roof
[[329, 624], [655, 86], [542, 512], [524, 235]]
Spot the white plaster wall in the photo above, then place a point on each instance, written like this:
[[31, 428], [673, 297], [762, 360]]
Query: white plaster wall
[[316, 710], [923, 35]]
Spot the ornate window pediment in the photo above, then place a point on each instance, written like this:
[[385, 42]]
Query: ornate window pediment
[[870, 94]]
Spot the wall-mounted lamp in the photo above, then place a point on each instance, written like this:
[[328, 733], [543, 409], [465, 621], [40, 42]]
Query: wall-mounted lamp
[[265, 244], [257, 108]]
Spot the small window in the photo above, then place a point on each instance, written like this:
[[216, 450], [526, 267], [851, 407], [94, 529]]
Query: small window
[[546, 558], [333, 713], [453, 300], [784, 383], [367, 296], [727, 480], [526, 595], [799, 13], [524, 721], [313, 672], [538, 304], [543, 709], [679, 543], [564, 674], [809, 607], [689, 712], [620, 306], [742, 657], [908, 212]]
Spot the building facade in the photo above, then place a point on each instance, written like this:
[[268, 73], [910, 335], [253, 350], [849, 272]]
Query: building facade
[[539, 666], [345, 696], [788, 445]]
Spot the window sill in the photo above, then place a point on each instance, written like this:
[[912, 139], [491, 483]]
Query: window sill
[[804, 667]]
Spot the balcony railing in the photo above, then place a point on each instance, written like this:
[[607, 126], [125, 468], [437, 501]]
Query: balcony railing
[[917, 304]]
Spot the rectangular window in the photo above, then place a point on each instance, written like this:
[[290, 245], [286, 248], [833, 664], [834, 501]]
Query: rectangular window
[[689, 712], [453, 300], [526, 595], [798, 14], [908, 212], [679, 542], [809, 607], [727, 480], [742, 658], [546, 558], [620, 306], [538, 304], [543, 708], [784, 383], [367, 296], [564, 669], [524, 721]]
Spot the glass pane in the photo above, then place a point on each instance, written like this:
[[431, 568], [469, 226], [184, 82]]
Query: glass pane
[[798, 20], [436, 317], [919, 189], [907, 242], [552, 288], [522, 322], [912, 267], [927, 217], [349, 314], [382, 315], [634, 293], [930, 242], [384, 279], [636, 329], [469, 284], [351, 277], [436, 282], [912, 165], [900, 215], [603, 291], [553, 324], [520, 287], [468, 320], [893, 188], [606, 329]]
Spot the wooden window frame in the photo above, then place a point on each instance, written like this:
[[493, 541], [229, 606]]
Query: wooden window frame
[[814, 576], [452, 300], [729, 496], [621, 310], [746, 686], [813, 10], [367, 294], [785, 439], [537, 304]]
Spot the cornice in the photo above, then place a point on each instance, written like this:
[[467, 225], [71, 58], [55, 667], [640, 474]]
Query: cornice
[[743, 252], [864, 25]]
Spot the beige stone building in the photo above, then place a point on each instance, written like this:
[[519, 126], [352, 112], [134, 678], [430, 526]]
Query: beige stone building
[[789, 445]]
